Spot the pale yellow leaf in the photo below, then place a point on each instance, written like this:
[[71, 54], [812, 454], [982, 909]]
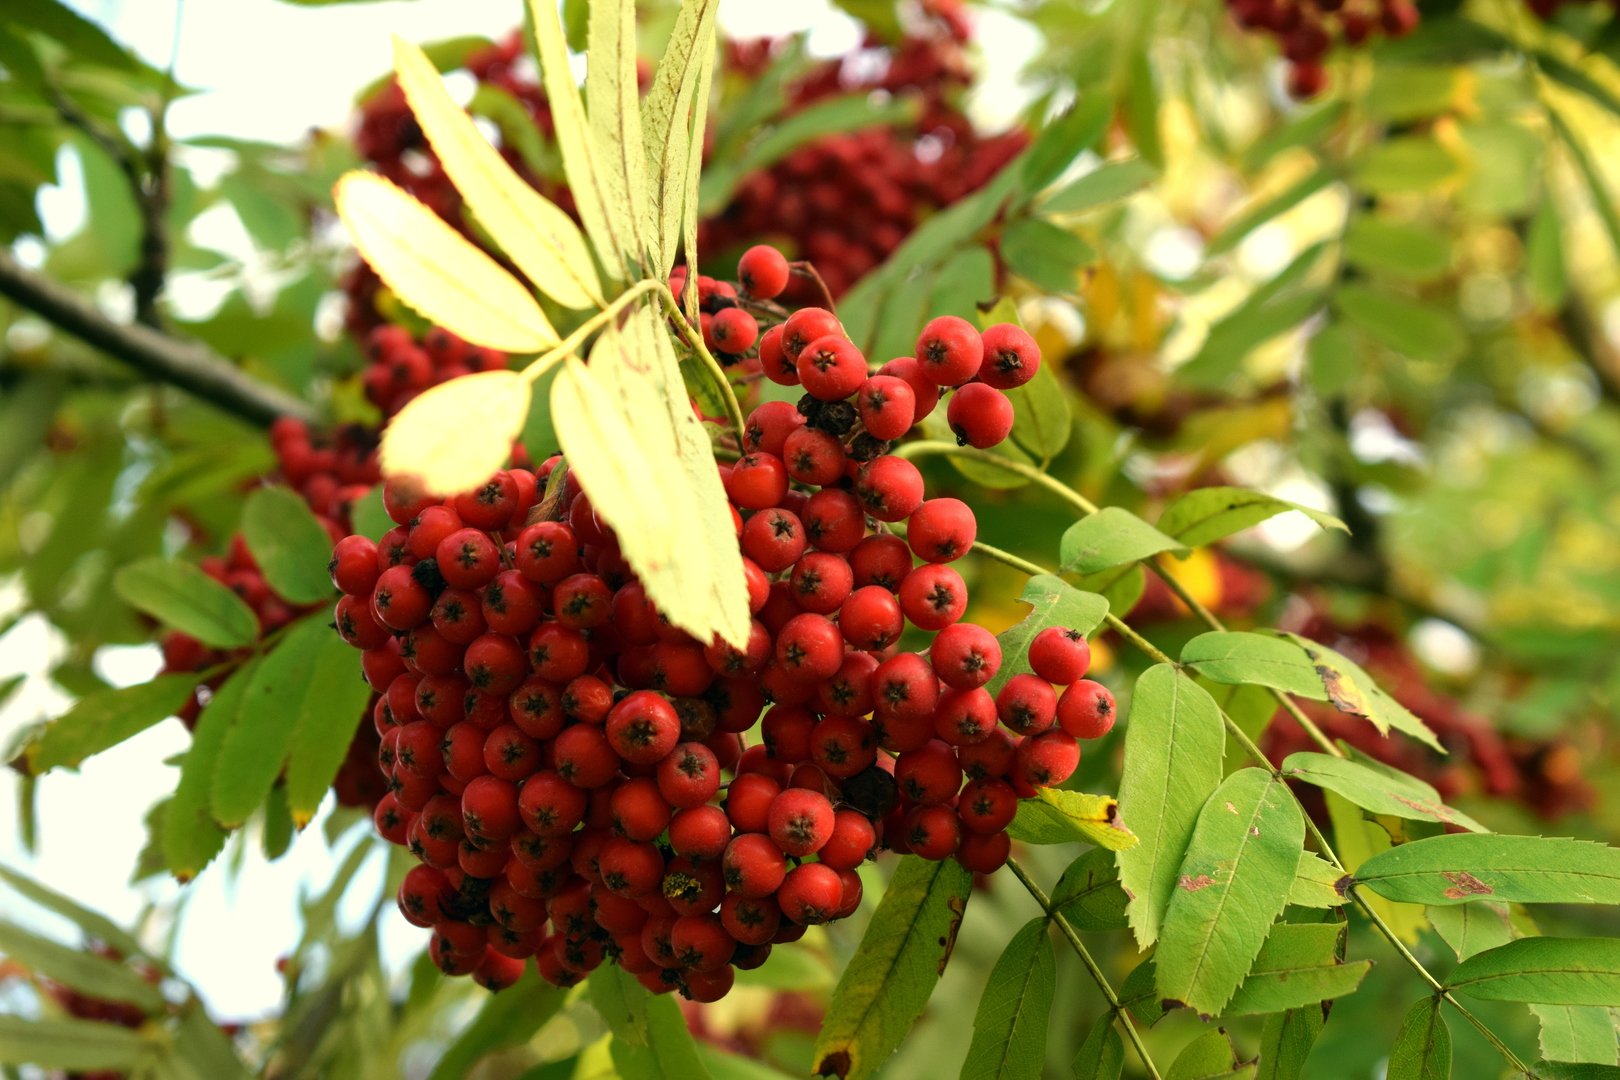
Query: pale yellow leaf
[[437, 271], [613, 107], [539, 237], [601, 213], [455, 436], [667, 123]]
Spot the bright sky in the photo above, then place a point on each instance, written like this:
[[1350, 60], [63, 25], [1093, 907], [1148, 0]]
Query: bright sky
[[266, 70]]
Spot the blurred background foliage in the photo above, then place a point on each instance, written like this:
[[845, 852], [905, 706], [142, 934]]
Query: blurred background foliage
[[1397, 301]]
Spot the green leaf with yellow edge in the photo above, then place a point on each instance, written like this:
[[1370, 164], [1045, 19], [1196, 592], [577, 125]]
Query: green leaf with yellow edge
[[1009, 1029], [1298, 967], [435, 270], [1377, 787], [601, 208], [89, 972], [1462, 867], [79, 1045], [105, 718], [1108, 182], [1207, 514], [1111, 537], [1174, 743], [320, 740], [895, 968], [1053, 602], [191, 836], [455, 436], [1211, 1056], [1059, 816], [1541, 970], [180, 596], [289, 544], [666, 123], [1422, 1049], [1351, 690], [1102, 1055], [1233, 883], [290, 683], [1355, 840], [537, 235]]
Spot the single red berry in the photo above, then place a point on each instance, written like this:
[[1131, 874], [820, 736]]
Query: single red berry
[[582, 601], [491, 505], [546, 552], [965, 655], [933, 832], [689, 776], [831, 367], [887, 406], [583, 755], [769, 425], [1060, 655], [468, 559], [801, 328], [905, 687], [979, 415], [643, 728], [1027, 704], [949, 351], [510, 754], [981, 853], [758, 481], [762, 272], [800, 821], [773, 361], [734, 331], [638, 810], [495, 664], [813, 457], [751, 920], [774, 539], [811, 893], [810, 647], [700, 832], [489, 806], [891, 489], [557, 653], [1086, 710], [924, 391], [965, 717], [399, 601], [929, 774], [354, 567], [882, 560], [630, 867], [550, 805], [933, 596], [821, 581], [870, 618], [849, 691], [1047, 759], [748, 801], [833, 520], [987, 806], [753, 865], [512, 604], [843, 746], [941, 530], [1011, 357]]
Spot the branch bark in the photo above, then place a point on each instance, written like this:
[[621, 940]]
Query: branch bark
[[187, 364]]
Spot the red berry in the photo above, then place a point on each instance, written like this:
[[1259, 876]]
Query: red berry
[[890, 488], [949, 351], [643, 728], [933, 832], [689, 776], [933, 596], [803, 327], [762, 272], [924, 391], [831, 368], [870, 619], [810, 647], [754, 866], [757, 482], [981, 853], [1027, 704], [887, 407], [1048, 759], [1086, 710], [468, 559], [1060, 655], [811, 894], [734, 331], [800, 821], [965, 655], [354, 566], [941, 530], [979, 415], [1011, 357]]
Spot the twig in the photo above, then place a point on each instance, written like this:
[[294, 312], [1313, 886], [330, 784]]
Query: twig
[[185, 363], [1115, 1006]]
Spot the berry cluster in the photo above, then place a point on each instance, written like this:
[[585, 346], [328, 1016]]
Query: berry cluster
[[570, 767], [846, 201], [1307, 30]]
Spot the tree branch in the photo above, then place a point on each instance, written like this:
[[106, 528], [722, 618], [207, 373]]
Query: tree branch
[[187, 364]]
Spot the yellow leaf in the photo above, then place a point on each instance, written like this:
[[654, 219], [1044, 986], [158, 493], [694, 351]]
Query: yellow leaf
[[539, 237], [455, 436], [613, 107], [436, 270], [628, 432]]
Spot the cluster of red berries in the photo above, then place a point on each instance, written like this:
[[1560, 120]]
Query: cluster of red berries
[[83, 1006], [1307, 30], [846, 201], [570, 767]]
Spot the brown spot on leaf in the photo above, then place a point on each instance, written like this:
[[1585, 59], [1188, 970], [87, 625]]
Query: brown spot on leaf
[[1464, 884], [1342, 886], [1230, 809], [1439, 812], [1171, 1003], [1193, 884], [834, 1064], [1254, 830]]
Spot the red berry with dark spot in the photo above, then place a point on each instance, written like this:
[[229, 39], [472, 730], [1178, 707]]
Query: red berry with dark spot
[[1086, 710]]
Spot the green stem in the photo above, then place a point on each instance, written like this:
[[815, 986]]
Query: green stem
[[568, 346], [717, 374], [1258, 756], [1114, 1006]]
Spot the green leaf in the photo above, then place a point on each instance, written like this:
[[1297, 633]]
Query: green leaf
[[1549, 971], [181, 596], [1174, 743], [276, 829], [1305, 128], [1237, 657], [1042, 422], [1089, 894], [91, 923], [290, 687], [1411, 91], [105, 718], [1108, 182], [333, 710], [1205, 515], [1351, 690], [1374, 786], [1355, 840], [1286, 1041], [650, 1038], [1298, 966], [1545, 273], [88, 972], [964, 282], [1102, 1055], [1009, 1030], [1063, 138], [1045, 254], [1053, 602], [1249, 326], [79, 1045], [1405, 250], [1583, 1033], [1575, 1070], [1256, 216], [1233, 884], [1209, 1057], [1422, 1049], [371, 517], [667, 125], [289, 544], [1472, 928], [1416, 330], [1596, 185], [1457, 868], [86, 40], [1316, 883], [894, 969], [1409, 164], [1113, 536], [1058, 816], [191, 837]]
